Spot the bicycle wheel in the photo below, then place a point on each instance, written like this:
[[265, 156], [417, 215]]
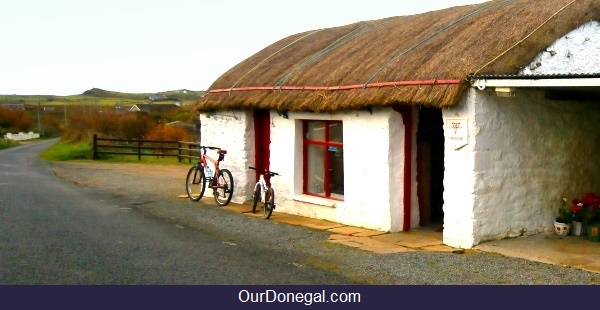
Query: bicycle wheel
[[195, 183], [269, 203], [223, 189], [256, 197]]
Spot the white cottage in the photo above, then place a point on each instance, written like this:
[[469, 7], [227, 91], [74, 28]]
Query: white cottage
[[477, 119]]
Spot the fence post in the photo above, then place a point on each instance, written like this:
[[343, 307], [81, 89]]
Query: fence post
[[139, 148], [95, 147], [178, 151]]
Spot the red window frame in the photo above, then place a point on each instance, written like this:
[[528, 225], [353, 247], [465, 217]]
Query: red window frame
[[327, 160]]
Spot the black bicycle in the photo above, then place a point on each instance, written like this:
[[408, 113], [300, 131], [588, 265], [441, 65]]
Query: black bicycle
[[200, 174]]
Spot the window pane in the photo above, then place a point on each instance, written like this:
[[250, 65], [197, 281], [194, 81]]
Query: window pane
[[336, 131], [336, 172], [316, 131], [316, 169]]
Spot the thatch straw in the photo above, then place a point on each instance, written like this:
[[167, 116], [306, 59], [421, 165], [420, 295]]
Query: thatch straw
[[499, 37]]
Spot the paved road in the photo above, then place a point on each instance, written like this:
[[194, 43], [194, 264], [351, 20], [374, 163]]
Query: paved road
[[55, 232]]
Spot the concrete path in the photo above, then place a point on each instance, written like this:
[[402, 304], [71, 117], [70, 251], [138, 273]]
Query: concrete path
[[574, 251]]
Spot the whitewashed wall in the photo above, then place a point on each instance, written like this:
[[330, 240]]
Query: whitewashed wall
[[373, 169], [577, 52], [525, 154], [22, 136], [234, 132], [373, 165]]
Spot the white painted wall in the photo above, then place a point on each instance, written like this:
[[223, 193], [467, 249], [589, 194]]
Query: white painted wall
[[234, 132], [576, 52], [22, 136], [373, 164], [525, 154], [373, 169], [459, 179]]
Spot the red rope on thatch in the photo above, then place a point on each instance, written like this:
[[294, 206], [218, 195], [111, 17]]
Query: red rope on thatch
[[341, 87]]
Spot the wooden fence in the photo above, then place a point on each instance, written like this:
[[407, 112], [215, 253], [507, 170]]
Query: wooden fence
[[140, 147]]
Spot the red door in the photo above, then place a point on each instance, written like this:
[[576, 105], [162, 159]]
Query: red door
[[262, 139]]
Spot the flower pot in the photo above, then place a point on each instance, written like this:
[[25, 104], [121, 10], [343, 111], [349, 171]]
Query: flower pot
[[577, 229], [562, 229], [593, 231]]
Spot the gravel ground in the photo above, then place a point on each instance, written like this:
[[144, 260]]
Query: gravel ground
[[154, 189]]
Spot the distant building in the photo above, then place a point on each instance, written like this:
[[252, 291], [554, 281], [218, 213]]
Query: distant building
[[13, 106], [157, 97], [121, 108], [151, 107]]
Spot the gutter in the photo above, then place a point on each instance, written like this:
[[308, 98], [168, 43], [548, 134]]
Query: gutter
[[481, 84]]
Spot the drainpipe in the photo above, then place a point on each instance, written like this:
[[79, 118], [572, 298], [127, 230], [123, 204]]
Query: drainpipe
[[406, 113]]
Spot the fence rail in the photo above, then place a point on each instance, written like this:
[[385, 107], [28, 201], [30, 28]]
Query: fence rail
[[140, 147]]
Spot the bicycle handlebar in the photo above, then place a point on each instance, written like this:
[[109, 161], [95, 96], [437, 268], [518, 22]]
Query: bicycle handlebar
[[263, 171], [219, 150], [209, 147]]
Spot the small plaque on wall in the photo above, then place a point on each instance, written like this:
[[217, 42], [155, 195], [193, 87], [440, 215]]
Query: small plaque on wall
[[455, 131]]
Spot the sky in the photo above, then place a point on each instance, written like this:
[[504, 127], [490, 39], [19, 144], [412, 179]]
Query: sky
[[65, 47]]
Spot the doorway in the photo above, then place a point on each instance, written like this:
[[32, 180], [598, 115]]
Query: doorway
[[262, 139], [430, 166]]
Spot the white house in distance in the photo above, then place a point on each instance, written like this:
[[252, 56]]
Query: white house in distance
[[477, 119]]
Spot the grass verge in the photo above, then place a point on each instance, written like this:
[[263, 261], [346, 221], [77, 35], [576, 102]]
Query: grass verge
[[62, 151], [6, 143]]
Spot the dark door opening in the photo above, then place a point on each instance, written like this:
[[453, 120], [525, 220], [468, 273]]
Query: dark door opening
[[262, 139], [430, 166]]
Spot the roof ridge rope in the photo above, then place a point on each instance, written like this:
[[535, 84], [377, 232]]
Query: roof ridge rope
[[275, 53], [526, 37], [456, 21], [331, 47]]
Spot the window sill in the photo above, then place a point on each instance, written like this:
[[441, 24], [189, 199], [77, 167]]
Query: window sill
[[318, 201]]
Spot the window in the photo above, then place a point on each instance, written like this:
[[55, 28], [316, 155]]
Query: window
[[323, 155]]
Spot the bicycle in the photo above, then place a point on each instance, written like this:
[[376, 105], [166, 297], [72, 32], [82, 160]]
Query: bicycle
[[263, 191], [200, 174]]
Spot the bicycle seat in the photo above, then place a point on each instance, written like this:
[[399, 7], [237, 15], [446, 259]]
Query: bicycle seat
[[222, 152]]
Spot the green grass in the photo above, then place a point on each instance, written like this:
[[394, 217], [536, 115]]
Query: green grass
[[62, 151], [144, 159], [6, 143]]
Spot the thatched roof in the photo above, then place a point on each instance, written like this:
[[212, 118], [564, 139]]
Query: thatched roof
[[375, 63]]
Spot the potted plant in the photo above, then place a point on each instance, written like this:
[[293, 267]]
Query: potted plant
[[562, 224], [579, 213], [591, 215]]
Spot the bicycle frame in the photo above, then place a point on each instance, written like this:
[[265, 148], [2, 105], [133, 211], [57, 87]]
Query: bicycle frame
[[220, 181], [264, 188], [263, 191], [204, 159]]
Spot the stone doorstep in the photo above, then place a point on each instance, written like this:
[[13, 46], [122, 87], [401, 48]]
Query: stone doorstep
[[406, 239], [355, 231], [305, 221], [368, 244], [443, 248]]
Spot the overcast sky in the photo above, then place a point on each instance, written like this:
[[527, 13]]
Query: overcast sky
[[65, 47]]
